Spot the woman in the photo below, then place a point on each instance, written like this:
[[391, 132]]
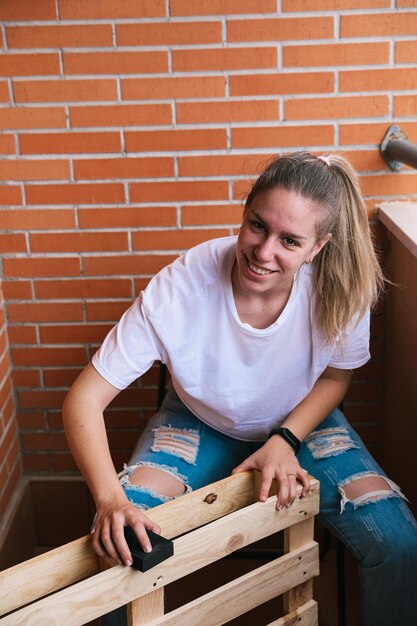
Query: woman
[[261, 334]]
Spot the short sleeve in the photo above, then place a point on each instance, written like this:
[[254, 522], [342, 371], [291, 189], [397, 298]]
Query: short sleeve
[[130, 348], [353, 350]]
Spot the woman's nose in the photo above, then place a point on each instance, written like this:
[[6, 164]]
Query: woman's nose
[[265, 251]]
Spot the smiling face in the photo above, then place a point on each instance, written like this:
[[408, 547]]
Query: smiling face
[[277, 236]]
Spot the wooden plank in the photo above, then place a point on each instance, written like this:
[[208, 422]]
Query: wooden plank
[[306, 615], [119, 585], [46, 573], [74, 561], [295, 537], [247, 592], [145, 609]]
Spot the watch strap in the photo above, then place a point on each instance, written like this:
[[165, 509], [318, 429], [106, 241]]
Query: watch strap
[[288, 436]]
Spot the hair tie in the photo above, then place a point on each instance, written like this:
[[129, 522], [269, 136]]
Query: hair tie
[[325, 160]]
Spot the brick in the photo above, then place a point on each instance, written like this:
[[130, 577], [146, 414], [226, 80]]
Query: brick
[[35, 64], [336, 54], [241, 189], [4, 92], [78, 242], [10, 195], [179, 191], [227, 111], [405, 3], [364, 392], [36, 462], [333, 108], [108, 9], [126, 265], [34, 420], [106, 311], [17, 290], [280, 29], [174, 239], [362, 133], [26, 378], [379, 80], [12, 243], [83, 288], [37, 219], [230, 165], [65, 90], [332, 5], [77, 193], [121, 115], [364, 160], [22, 334], [74, 333], [282, 136], [36, 267], [119, 62], [406, 51], [384, 24], [123, 167], [211, 214], [27, 10], [60, 36], [173, 87], [175, 140], [389, 185], [45, 312], [69, 143], [281, 84], [220, 7], [132, 217], [63, 463], [169, 33], [48, 356], [7, 144], [405, 106], [60, 377], [32, 117], [223, 59], [34, 170]]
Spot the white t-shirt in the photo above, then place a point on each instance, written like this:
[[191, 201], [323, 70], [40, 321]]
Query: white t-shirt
[[240, 380]]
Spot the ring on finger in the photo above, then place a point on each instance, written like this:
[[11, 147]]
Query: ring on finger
[[295, 475]]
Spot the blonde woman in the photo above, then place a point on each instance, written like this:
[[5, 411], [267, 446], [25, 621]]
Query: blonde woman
[[260, 334]]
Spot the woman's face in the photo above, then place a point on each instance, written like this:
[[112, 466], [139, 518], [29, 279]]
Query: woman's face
[[277, 236]]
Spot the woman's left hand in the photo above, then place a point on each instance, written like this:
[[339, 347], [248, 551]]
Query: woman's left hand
[[276, 460]]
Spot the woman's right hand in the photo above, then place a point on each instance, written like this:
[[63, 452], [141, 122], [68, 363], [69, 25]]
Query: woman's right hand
[[108, 532]]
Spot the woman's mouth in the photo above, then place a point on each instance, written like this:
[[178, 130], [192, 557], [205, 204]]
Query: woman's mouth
[[259, 271]]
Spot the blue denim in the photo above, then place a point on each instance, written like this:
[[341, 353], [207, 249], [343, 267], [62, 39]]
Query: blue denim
[[378, 528]]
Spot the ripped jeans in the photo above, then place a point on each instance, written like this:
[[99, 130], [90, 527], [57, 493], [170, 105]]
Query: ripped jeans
[[358, 503]]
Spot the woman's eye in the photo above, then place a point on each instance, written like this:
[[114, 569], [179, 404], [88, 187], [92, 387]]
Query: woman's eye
[[290, 242], [258, 225]]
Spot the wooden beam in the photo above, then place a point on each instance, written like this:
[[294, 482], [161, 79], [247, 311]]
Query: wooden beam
[[295, 537], [119, 585], [247, 592], [145, 609], [306, 615]]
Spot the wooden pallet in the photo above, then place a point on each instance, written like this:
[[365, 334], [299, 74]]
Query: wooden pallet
[[68, 587]]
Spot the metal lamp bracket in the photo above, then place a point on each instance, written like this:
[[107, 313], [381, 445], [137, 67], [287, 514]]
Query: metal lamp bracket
[[394, 133]]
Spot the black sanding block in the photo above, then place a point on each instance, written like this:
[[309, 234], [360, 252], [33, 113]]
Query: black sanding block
[[162, 549]]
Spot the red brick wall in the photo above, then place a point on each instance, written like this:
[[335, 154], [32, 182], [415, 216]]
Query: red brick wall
[[131, 129], [10, 466]]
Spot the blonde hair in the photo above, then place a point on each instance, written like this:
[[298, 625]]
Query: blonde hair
[[347, 276]]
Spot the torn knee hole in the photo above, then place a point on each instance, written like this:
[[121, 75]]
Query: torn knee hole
[[158, 480], [363, 489], [368, 486], [327, 442]]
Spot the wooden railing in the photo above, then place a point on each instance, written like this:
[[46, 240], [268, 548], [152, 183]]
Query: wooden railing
[[68, 586]]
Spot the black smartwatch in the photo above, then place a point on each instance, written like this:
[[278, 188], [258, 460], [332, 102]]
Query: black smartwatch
[[288, 436]]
